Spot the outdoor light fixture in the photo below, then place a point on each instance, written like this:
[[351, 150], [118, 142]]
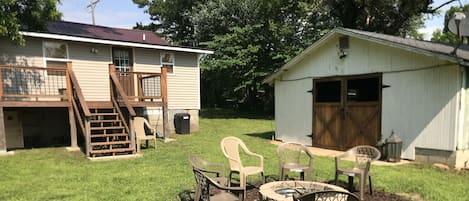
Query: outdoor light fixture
[[94, 50], [458, 17], [343, 47]]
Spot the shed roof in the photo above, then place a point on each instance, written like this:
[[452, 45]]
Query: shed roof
[[72, 31], [452, 53]]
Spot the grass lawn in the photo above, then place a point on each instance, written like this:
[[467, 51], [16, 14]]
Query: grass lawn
[[55, 174]]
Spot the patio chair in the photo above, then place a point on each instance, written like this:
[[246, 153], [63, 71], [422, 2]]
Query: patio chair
[[328, 196], [225, 193], [230, 147], [139, 128], [363, 156], [217, 170], [290, 156]]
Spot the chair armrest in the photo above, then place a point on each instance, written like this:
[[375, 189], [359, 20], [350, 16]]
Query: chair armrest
[[220, 168], [261, 158], [228, 188]]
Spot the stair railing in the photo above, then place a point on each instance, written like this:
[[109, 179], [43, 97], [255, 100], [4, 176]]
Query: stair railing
[[82, 112], [118, 91]]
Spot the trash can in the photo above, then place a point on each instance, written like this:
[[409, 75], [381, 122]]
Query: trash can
[[393, 148], [182, 123]]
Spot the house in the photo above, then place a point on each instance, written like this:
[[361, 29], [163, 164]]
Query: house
[[355, 87], [83, 84]]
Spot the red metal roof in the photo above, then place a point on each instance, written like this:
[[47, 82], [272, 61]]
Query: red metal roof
[[106, 33]]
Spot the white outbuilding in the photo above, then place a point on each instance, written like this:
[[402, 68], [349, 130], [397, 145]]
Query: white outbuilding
[[355, 87]]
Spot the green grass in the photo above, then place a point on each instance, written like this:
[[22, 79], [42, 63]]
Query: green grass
[[162, 174]]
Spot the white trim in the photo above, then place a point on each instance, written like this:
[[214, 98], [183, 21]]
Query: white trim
[[199, 57], [45, 59], [111, 42]]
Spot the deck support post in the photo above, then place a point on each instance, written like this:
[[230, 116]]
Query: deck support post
[[164, 94], [3, 141], [71, 115]]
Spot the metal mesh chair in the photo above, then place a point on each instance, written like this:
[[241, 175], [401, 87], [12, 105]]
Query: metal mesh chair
[[328, 196], [290, 156], [363, 156], [216, 172], [225, 193]]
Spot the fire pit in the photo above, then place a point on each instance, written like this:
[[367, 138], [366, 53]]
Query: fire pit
[[285, 190]]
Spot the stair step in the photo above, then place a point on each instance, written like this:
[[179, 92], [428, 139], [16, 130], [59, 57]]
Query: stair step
[[103, 114], [109, 135], [105, 120], [107, 128], [103, 151], [109, 143]]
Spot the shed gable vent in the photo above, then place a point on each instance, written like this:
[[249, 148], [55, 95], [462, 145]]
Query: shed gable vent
[[343, 42]]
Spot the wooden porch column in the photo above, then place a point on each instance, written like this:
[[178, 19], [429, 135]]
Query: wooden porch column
[[71, 114], [164, 94], [3, 140]]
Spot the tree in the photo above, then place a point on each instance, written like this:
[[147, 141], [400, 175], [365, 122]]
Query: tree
[[17, 15], [394, 17], [172, 18], [251, 38]]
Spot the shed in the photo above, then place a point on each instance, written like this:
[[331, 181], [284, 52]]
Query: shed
[[355, 87]]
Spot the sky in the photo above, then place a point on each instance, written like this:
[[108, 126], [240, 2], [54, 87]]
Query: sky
[[125, 14]]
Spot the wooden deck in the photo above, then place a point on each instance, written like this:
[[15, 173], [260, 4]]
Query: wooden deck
[[28, 87]]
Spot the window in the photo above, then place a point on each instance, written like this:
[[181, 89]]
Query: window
[[55, 57], [328, 91], [55, 51], [167, 61], [363, 89], [122, 59]]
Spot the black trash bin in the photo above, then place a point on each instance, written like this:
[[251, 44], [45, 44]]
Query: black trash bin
[[182, 123]]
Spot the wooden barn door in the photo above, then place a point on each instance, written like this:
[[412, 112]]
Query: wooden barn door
[[347, 111], [327, 114]]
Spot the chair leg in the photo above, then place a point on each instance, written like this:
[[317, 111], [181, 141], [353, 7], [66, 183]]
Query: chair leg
[[282, 174], [302, 175], [350, 184], [371, 189], [309, 177], [263, 177], [362, 186], [229, 178], [138, 146], [336, 178], [155, 144]]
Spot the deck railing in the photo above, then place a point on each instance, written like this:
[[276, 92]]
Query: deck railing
[[33, 84], [140, 86]]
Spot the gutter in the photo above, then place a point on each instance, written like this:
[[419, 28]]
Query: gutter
[[112, 42]]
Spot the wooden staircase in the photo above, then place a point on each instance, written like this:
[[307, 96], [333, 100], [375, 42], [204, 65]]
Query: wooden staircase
[[108, 134]]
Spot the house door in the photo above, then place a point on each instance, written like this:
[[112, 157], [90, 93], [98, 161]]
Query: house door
[[346, 111], [122, 60]]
